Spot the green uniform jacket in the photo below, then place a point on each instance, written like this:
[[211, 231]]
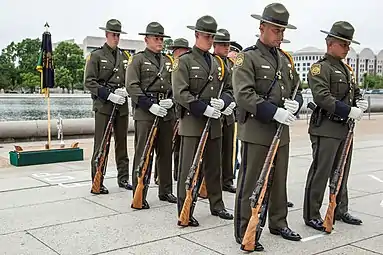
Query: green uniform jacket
[[253, 74], [99, 67], [334, 90], [190, 75], [140, 74], [231, 118]]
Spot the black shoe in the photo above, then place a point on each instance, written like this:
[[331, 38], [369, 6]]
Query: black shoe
[[349, 219], [258, 245], [168, 197], [286, 233], [290, 204], [192, 222], [145, 205], [223, 214], [125, 184], [315, 224], [103, 191], [229, 188]]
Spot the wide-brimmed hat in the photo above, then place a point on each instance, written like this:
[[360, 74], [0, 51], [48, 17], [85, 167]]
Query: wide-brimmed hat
[[113, 26], [206, 24], [283, 41], [234, 46], [155, 29], [225, 38], [343, 31], [275, 14], [179, 43]]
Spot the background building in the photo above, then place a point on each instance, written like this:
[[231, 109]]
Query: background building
[[365, 61]]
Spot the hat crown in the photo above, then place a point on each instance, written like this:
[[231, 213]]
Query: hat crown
[[206, 24], [277, 13], [113, 25], [155, 28], [343, 29], [181, 43], [224, 37]]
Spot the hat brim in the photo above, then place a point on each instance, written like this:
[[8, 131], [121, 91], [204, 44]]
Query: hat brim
[[339, 37], [155, 34], [220, 41], [116, 32], [205, 32], [259, 17], [174, 47]]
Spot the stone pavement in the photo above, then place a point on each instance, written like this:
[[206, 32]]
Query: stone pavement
[[47, 209]]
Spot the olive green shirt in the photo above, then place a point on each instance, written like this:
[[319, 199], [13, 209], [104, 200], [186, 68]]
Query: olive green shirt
[[334, 90], [98, 68], [254, 72], [141, 72], [193, 90]]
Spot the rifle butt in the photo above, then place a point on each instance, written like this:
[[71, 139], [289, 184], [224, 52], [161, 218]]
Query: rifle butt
[[248, 242], [329, 218], [96, 185], [138, 195], [185, 212], [202, 190]]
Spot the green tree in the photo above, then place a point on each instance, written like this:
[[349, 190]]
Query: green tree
[[63, 78], [69, 56], [167, 42], [9, 75], [30, 80], [373, 81], [27, 52]]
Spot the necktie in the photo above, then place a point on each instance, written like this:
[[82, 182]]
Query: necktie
[[207, 59], [157, 56], [273, 52]]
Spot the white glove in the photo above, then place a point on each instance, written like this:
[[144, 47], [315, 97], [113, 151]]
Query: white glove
[[362, 104], [158, 110], [291, 105], [217, 103], [116, 99], [121, 92], [211, 112], [284, 116], [228, 111], [232, 105], [355, 113], [166, 103]]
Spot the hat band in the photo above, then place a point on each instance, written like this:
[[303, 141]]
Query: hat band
[[205, 29], [155, 32], [273, 20], [113, 29], [341, 35]]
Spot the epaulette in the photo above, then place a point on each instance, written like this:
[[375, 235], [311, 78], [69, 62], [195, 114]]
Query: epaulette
[[253, 47], [99, 48], [185, 53]]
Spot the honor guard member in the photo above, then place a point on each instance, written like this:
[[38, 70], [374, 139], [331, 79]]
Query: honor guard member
[[235, 48], [337, 98], [105, 77], [149, 85], [221, 48], [196, 85], [179, 47], [264, 79]]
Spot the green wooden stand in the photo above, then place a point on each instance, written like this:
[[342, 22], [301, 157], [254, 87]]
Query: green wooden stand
[[38, 157]]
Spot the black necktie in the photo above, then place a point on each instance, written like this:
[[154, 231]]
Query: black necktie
[[273, 52], [158, 57], [206, 56]]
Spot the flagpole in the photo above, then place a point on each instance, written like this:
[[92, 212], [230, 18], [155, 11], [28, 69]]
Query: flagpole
[[47, 94]]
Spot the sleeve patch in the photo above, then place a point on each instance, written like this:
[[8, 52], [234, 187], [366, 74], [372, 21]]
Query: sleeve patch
[[315, 69], [176, 64], [239, 59]]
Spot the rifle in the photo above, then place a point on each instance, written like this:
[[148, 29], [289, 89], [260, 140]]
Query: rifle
[[337, 178], [102, 154], [143, 170], [174, 140], [259, 197], [194, 179], [202, 190]]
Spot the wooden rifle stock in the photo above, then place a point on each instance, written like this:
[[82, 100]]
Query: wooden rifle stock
[[142, 169], [102, 155], [174, 140], [202, 190], [336, 181], [261, 191]]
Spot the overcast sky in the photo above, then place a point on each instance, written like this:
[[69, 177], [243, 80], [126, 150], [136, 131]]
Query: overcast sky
[[79, 18]]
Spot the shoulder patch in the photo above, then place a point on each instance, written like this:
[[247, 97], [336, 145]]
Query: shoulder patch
[[176, 64], [315, 69], [239, 59]]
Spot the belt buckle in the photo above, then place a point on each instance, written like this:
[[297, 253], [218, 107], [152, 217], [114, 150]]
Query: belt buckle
[[161, 96]]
